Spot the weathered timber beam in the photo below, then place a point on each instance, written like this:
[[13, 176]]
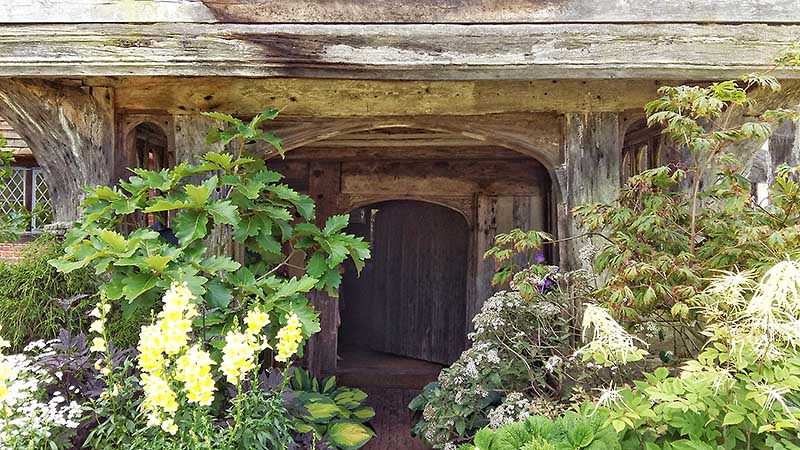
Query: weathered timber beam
[[355, 98], [591, 174], [399, 11], [70, 131], [421, 52]]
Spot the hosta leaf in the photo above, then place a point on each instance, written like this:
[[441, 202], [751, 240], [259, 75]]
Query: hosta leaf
[[364, 414], [349, 435]]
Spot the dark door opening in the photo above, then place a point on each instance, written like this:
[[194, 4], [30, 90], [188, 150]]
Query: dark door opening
[[404, 318], [410, 300]]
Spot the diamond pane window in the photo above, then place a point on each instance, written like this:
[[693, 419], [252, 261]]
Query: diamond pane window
[[14, 193], [40, 201], [26, 189]]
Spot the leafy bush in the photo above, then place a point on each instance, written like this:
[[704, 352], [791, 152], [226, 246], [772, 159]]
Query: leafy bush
[[335, 416], [217, 316], [742, 390], [673, 228], [521, 344], [572, 431], [36, 300], [239, 197]]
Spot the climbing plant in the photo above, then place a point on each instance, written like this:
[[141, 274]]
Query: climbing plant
[[283, 256]]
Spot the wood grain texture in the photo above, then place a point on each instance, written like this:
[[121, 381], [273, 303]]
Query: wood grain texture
[[70, 131], [399, 11], [419, 52], [536, 135], [323, 187], [414, 296], [592, 147], [358, 98]]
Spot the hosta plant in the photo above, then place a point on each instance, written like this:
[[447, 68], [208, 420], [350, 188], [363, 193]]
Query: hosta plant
[[336, 416]]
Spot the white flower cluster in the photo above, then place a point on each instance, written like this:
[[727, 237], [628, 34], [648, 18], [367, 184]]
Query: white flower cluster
[[517, 407], [31, 417]]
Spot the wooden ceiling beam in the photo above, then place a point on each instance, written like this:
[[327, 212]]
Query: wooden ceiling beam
[[395, 52], [400, 11]]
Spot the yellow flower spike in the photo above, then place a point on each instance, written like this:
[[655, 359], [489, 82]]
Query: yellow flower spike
[[256, 320], [238, 356], [289, 338]]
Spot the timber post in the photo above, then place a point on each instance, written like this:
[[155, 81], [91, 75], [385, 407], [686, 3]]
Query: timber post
[[70, 130], [592, 153], [323, 186]]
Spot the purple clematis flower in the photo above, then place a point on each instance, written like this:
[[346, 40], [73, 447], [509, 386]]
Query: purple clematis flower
[[538, 258]]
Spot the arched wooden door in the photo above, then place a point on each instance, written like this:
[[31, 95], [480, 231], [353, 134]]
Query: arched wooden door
[[411, 298]]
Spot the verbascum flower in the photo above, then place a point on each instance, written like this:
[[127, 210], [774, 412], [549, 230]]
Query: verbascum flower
[[289, 338]]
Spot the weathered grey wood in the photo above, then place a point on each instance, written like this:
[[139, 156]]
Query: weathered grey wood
[[398, 11], [323, 187], [674, 51], [486, 230], [358, 98], [190, 137], [450, 177], [592, 148], [71, 133]]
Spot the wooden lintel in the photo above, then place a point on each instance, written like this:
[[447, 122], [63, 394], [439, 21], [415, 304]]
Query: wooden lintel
[[400, 11], [410, 52], [357, 98]]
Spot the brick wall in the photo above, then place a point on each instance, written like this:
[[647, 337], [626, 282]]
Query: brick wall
[[10, 251]]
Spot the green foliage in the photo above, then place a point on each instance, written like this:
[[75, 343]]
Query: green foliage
[[663, 242], [519, 347], [337, 416], [741, 391], [572, 431], [514, 243], [35, 298], [265, 423], [222, 193]]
